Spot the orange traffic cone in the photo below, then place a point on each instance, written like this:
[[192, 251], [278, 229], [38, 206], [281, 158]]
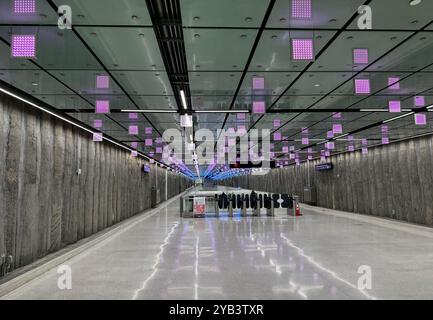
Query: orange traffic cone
[[298, 211]]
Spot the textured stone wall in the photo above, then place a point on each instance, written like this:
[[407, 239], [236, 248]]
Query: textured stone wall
[[394, 181], [44, 204]]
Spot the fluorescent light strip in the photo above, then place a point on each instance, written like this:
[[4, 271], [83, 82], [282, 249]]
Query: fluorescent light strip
[[399, 117], [221, 111], [73, 123], [149, 111], [182, 96]]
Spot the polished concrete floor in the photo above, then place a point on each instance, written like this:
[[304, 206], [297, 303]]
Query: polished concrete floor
[[316, 256]]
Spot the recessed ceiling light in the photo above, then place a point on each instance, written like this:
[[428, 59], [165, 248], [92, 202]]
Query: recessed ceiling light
[[274, 36], [414, 22], [196, 18], [134, 17], [93, 33], [81, 16], [141, 34], [42, 15], [34, 84], [283, 20], [248, 19], [197, 35], [349, 38], [243, 35], [415, 2], [393, 38], [423, 38], [319, 37], [317, 85], [234, 66], [333, 20]]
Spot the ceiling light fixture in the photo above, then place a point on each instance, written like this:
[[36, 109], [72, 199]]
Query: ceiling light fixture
[[182, 96]]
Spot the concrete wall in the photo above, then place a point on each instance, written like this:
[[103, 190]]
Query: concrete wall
[[394, 181], [44, 204]]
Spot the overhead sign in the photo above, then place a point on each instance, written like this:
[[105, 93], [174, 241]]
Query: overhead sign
[[324, 167]]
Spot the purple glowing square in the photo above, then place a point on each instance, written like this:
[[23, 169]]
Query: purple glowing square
[[148, 142], [134, 145], [362, 86], [133, 130], [158, 140], [364, 142], [277, 123], [304, 131], [310, 150], [158, 150], [24, 6], [350, 138], [385, 140], [350, 148], [241, 116], [337, 128], [98, 137], [277, 136], [97, 124], [301, 9], [394, 106], [305, 141], [302, 49], [364, 150], [330, 145], [292, 148], [330, 134], [419, 101], [134, 153], [292, 156], [337, 115], [384, 129], [285, 149], [102, 106], [241, 128], [310, 157], [327, 153], [23, 46], [259, 107], [148, 130], [394, 83], [102, 82], [258, 83], [360, 56], [420, 119], [133, 115]]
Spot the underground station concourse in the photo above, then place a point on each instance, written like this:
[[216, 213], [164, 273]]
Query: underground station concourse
[[216, 150]]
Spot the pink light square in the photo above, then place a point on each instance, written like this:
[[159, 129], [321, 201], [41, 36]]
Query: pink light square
[[97, 124], [102, 82], [420, 119], [158, 150], [419, 101], [133, 115], [258, 83], [259, 107], [98, 136], [362, 86], [148, 130], [133, 130], [304, 131], [305, 141], [134, 153], [241, 116], [302, 49], [394, 83], [102, 106], [277, 136], [350, 148], [310, 157], [337, 128], [364, 142], [24, 6], [384, 129], [301, 9], [360, 56], [23, 46], [330, 145], [337, 115], [364, 150], [385, 140], [134, 144], [292, 156], [277, 123], [148, 142], [394, 106], [330, 134], [285, 149], [327, 153]]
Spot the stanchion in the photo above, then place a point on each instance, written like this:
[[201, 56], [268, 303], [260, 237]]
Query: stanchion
[[270, 212], [230, 205]]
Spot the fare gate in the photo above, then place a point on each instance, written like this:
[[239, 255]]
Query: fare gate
[[200, 205]]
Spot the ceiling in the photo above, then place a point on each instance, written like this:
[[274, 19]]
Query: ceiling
[[225, 44]]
